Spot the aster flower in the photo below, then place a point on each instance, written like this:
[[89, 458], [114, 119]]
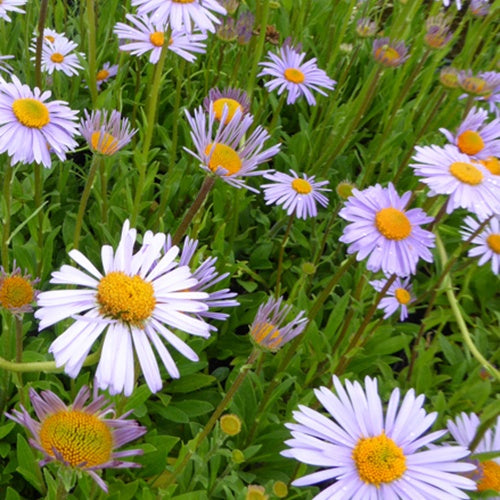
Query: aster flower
[[17, 292], [390, 53], [50, 35], [148, 35], [372, 455], [58, 56], [131, 302], [399, 295], [226, 30], [290, 73], [485, 86], [296, 194], [105, 73], [106, 134], [182, 15], [225, 149], [232, 98], [464, 429], [438, 33], [448, 77], [269, 330], [467, 182], [486, 245], [384, 231], [365, 27], [10, 6], [244, 27], [479, 8], [79, 436], [36, 124]]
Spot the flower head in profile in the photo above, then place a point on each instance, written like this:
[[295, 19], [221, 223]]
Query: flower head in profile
[[297, 195], [298, 78], [372, 453], [244, 27], [389, 53], [270, 329], [37, 125], [225, 148], [476, 138], [11, 6], [448, 77], [464, 429], [384, 231], [105, 73], [60, 56], [479, 8], [366, 28], [17, 291], [79, 436], [438, 33], [399, 295], [234, 99], [182, 15], [467, 183], [256, 492], [485, 86], [106, 134], [486, 244], [133, 302]]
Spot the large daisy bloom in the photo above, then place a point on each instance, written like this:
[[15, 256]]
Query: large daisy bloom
[[468, 183], [298, 195], [474, 137], [372, 454], [486, 244], [223, 147], [182, 15], [29, 125], [131, 301], [298, 78], [464, 429], [59, 56], [12, 6], [399, 295], [384, 231], [79, 436]]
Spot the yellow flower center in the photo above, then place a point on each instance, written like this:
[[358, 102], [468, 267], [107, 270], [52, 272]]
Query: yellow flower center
[[232, 107], [301, 186], [379, 460], [31, 112], [102, 75], [157, 38], [492, 164], [402, 296], [126, 298], [230, 424], [475, 85], [223, 156], [435, 40], [470, 142], [466, 173], [107, 145], [490, 476], [50, 38], [294, 75], [493, 241], [388, 55], [261, 332], [79, 437], [280, 489], [393, 224], [57, 57], [15, 292], [255, 492]]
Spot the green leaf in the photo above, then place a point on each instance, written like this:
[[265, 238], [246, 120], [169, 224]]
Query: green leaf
[[190, 383], [28, 464]]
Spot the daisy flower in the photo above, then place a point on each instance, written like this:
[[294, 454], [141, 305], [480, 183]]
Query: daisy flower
[[269, 328], [225, 149], [58, 56], [372, 454], [398, 295], [384, 231], [232, 98], [106, 134], [438, 33], [79, 436], [105, 73], [486, 245], [296, 194], [464, 429], [182, 15], [50, 35], [479, 8], [390, 53], [36, 124], [17, 292], [298, 78], [474, 137], [467, 182], [10, 5], [484, 86], [131, 301], [365, 27]]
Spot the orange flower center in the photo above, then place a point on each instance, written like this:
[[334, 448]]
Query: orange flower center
[[157, 38], [294, 75], [223, 156], [493, 241], [232, 107], [393, 224], [387, 55], [490, 476], [102, 75], [402, 296], [470, 142], [105, 144], [466, 173], [301, 186], [50, 38], [492, 164], [15, 292], [475, 85], [57, 57], [31, 112]]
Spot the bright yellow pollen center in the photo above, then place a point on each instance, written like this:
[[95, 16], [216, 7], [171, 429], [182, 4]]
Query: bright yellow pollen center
[[379, 460], [223, 156], [50, 38], [57, 57], [15, 292], [31, 112], [126, 298], [262, 330], [232, 107], [490, 476], [387, 54], [301, 186], [108, 145], [466, 173], [393, 224], [492, 164], [230, 424], [157, 38], [294, 75], [470, 142], [78, 437], [493, 241], [402, 296], [102, 75]]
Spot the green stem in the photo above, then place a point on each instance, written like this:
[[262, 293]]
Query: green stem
[[92, 76], [281, 254], [37, 168], [7, 196], [277, 112], [19, 357], [42, 366], [39, 42]]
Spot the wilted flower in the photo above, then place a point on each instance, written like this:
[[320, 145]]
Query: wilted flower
[[226, 30], [244, 27], [366, 28], [389, 53], [449, 77], [438, 33]]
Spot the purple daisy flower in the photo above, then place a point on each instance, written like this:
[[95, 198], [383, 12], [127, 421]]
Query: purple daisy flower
[[389, 53], [384, 231], [399, 295], [105, 73], [232, 98], [59, 56], [17, 292], [484, 86]]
